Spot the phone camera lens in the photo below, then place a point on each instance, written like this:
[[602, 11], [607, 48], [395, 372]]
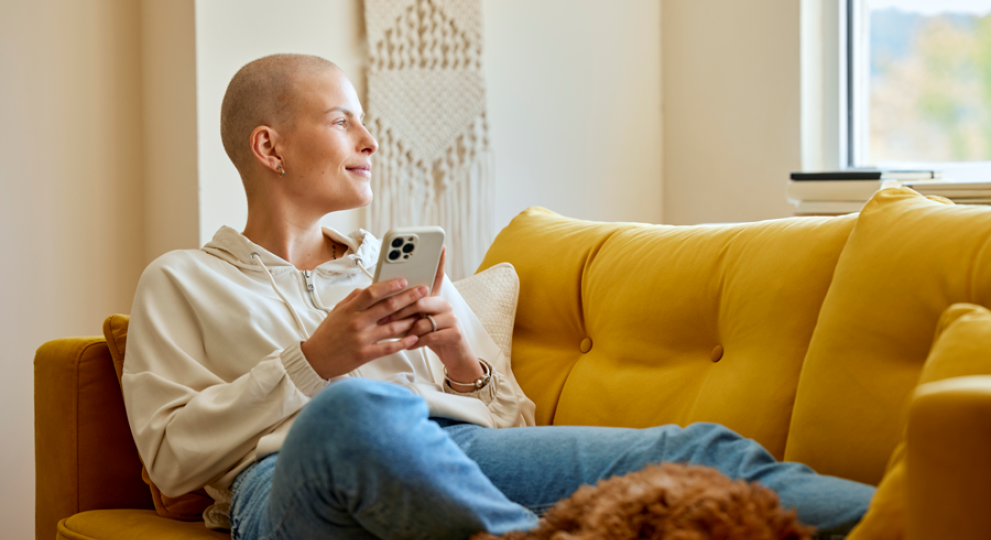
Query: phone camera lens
[[408, 248], [396, 242], [393, 255]]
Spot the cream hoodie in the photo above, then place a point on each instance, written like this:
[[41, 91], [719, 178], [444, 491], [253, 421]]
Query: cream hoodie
[[214, 374]]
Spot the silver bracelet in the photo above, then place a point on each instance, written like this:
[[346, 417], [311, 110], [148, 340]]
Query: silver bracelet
[[479, 383]]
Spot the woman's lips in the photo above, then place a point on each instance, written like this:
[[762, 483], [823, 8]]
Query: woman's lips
[[361, 171]]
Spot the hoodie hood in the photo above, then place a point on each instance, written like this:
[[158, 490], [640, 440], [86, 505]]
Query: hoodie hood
[[235, 248]]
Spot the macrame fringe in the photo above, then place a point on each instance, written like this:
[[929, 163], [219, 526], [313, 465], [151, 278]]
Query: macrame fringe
[[454, 193], [430, 51]]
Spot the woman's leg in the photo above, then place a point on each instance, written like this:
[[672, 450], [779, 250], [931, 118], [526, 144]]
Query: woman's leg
[[537, 466], [363, 461]]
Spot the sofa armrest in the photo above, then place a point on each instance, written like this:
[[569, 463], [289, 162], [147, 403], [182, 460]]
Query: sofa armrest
[[85, 458], [949, 460]]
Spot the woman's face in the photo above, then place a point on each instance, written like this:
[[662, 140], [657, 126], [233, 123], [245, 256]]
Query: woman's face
[[326, 149]]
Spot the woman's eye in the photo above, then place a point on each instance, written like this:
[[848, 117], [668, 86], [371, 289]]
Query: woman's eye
[[340, 123]]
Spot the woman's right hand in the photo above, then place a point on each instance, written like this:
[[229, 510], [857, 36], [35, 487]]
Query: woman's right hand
[[351, 335]]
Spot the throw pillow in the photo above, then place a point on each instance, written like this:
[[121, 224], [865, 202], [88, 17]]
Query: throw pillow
[[962, 347], [492, 295], [188, 507], [908, 259]]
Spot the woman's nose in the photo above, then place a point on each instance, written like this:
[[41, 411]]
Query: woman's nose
[[368, 143]]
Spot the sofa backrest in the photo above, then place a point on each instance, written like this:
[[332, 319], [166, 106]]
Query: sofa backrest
[[629, 324], [85, 458]]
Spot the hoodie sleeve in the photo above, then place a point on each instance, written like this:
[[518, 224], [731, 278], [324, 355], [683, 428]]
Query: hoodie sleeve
[[191, 417], [505, 400]]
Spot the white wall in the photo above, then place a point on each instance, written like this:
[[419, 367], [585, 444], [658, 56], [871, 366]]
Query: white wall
[[574, 95], [731, 108], [71, 202]]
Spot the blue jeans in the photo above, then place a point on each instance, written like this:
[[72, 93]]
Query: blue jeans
[[364, 461]]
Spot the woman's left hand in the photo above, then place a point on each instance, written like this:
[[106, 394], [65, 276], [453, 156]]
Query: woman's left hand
[[447, 341]]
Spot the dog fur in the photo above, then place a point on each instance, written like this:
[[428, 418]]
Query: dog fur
[[667, 502]]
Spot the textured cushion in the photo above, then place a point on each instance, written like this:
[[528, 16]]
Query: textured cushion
[[492, 296], [962, 348], [188, 507], [620, 323], [908, 259], [131, 525]]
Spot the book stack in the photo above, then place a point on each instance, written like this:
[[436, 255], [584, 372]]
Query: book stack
[[963, 192], [843, 192]]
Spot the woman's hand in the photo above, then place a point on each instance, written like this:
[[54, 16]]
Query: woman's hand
[[350, 336], [447, 341]]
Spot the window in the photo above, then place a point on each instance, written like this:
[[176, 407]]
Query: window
[[919, 85]]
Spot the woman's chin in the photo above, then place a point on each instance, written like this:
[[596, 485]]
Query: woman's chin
[[357, 202]]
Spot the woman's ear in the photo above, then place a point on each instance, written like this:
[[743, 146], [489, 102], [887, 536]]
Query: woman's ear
[[264, 147]]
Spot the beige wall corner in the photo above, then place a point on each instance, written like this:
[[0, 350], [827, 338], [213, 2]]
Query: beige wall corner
[[732, 113], [72, 239], [171, 202]]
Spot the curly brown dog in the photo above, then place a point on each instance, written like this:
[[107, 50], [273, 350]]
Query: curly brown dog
[[667, 502]]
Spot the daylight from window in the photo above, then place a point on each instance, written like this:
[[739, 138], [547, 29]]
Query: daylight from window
[[930, 80]]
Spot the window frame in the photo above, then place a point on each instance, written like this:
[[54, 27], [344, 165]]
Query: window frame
[[854, 79]]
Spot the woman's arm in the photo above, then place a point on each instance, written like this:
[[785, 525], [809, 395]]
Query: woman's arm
[[194, 416]]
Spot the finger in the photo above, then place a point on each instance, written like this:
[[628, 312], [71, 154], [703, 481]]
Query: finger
[[439, 278], [393, 329], [377, 291], [351, 296], [391, 347], [421, 327], [440, 337], [430, 305], [384, 310]]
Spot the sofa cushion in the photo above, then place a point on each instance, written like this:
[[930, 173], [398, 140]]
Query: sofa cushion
[[129, 525], [187, 507], [636, 325], [908, 259], [962, 347]]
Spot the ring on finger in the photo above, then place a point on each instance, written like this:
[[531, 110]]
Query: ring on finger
[[432, 321]]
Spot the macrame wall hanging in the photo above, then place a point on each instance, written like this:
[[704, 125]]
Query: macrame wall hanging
[[426, 108]]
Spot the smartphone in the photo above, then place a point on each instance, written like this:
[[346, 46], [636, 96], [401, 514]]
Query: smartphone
[[411, 253]]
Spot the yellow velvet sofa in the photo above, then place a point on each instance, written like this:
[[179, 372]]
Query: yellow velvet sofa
[[836, 342]]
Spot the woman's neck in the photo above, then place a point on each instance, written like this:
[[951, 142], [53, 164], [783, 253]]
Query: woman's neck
[[301, 242]]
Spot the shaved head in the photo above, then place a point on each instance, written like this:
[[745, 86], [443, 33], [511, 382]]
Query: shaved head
[[263, 93]]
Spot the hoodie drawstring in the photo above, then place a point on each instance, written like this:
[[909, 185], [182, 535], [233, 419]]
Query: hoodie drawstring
[[295, 316], [363, 269]]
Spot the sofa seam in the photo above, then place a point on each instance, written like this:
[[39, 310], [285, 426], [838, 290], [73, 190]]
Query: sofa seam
[[64, 531]]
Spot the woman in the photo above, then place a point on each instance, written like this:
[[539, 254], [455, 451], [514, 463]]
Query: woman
[[328, 422]]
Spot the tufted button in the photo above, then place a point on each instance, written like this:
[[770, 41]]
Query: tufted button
[[586, 345], [716, 354]]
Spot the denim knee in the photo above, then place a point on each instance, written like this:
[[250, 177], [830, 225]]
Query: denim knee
[[360, 414]]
